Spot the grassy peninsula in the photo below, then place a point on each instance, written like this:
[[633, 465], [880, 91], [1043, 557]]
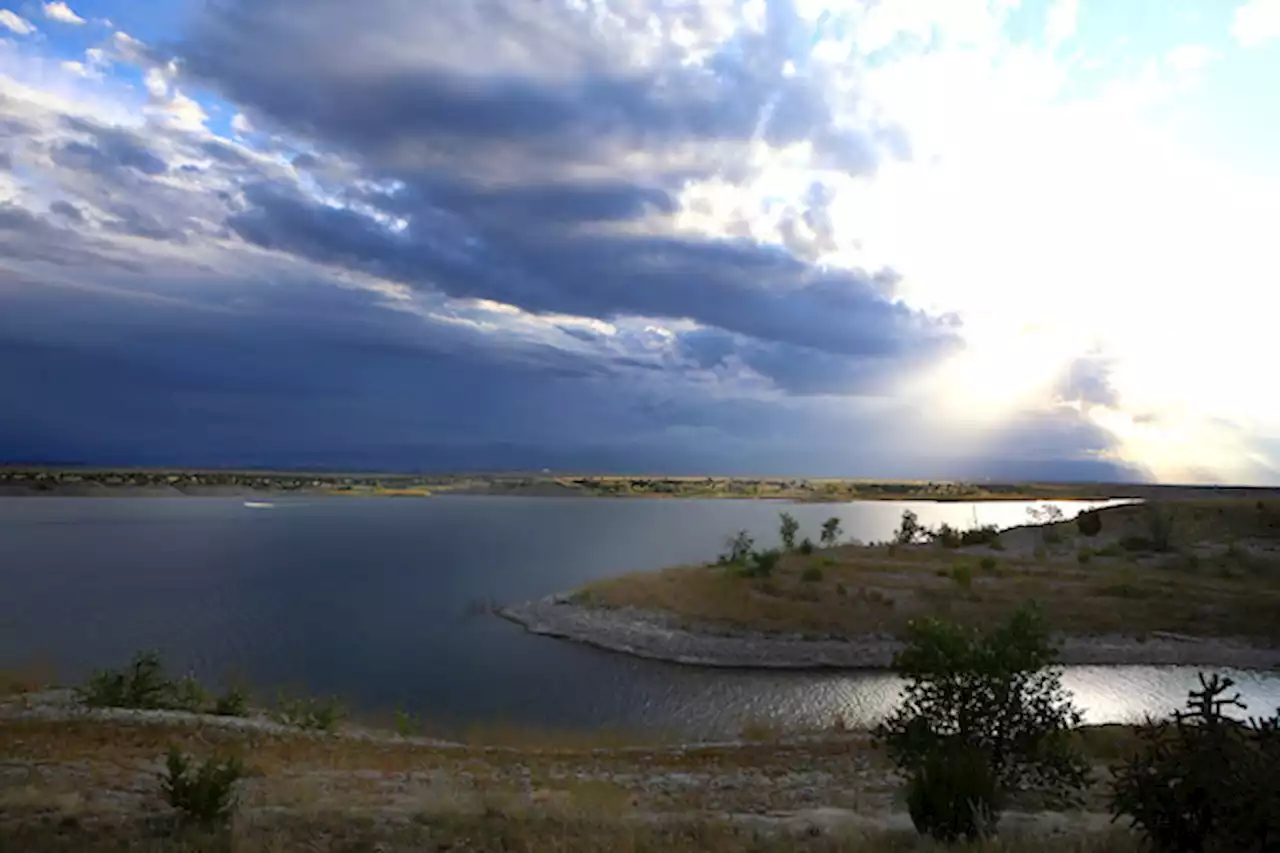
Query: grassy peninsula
[[1194, 582]]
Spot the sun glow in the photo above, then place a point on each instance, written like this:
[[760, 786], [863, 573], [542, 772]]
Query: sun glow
[[1062, 227]]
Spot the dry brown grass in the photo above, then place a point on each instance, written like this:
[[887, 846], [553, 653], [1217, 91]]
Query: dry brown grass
[[328, 792], [884, 588]]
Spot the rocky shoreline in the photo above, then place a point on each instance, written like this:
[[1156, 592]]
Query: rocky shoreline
[[656, 636]]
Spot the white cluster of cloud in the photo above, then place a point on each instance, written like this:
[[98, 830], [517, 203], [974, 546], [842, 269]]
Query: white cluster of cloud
[[15, 23], [62, 13], [1256, 21], [781, 230]]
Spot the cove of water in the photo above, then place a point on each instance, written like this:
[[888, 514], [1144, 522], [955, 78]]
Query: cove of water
[[369, 599]]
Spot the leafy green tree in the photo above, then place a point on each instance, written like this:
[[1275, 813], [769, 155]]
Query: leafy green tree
[[987, 701], [788, 527], [830, 532]]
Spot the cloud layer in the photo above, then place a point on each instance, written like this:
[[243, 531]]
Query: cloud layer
[[398, 234]]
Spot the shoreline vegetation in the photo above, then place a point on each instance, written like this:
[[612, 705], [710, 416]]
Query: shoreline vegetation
[[1177, 583], [89, 482]]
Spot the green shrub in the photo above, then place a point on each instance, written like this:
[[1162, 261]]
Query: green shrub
[[788, 527], [1089, 523], [407, 723], [1084, 556], [762, 563], [909, 529], [830, 532], [812, 574], [806, 546], [996, 544], [206, 795], [308, 712], [986, 534], [946, 536], [962, 574], [1203, 782], [990, 697], [233, 703], [954, 795], [187, 695], [989, 564], [1112, 549], [142, 685]]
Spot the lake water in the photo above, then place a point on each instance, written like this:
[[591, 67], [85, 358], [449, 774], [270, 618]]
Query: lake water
[[368, 598]]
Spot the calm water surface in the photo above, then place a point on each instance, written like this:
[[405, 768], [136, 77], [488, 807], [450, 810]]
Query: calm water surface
[[368, 599]]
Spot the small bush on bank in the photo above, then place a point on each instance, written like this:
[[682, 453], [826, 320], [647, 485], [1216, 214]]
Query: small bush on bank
[[204, 794], [982, 704], [144, 685], [320, 714], [737, 549], [188, 695], [1084, 556], [830, 532], [806, 546], [986, 534], [1202, 781], [946, 536], [909, 529], [407, 723], [812, 574], [788, 527], [1089, 523], [989, 564], [962, 574], [233, 703]]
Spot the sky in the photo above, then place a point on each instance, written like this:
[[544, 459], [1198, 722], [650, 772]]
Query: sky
[[885, 238]]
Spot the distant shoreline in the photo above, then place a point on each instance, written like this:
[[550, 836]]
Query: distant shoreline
[[85, 482]]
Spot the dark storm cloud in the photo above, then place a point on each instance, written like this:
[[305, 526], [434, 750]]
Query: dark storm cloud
[[803, 370], [66, 210], [329, 73], [758, 291], [111, 150], [490, 151]]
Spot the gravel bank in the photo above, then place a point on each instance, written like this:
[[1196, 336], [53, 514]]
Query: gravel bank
[[653, 635]]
